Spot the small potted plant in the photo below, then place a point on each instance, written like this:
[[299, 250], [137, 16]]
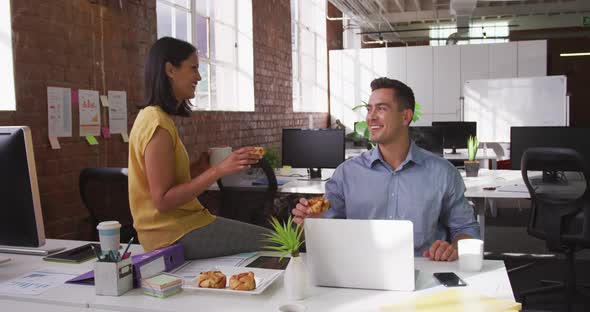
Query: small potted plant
[[287, 238], [472, 165]]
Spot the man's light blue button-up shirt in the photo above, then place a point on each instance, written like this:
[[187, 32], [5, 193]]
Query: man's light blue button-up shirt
[[425, 189]]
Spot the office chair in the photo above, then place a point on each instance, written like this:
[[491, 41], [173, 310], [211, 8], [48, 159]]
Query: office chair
[[105, 193], [560, 212], [250, 204]]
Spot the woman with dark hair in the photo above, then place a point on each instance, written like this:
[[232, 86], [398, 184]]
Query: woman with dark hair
[[162, 193]]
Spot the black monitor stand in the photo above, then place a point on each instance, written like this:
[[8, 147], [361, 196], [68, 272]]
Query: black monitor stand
[[315, 174], [453, 151]]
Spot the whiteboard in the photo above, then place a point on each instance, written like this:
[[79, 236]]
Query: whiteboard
[[498, 104]]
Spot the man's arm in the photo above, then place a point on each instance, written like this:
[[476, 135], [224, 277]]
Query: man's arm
[[456, 215]]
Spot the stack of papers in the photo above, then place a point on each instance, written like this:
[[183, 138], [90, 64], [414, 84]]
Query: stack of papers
[[455, 300], [161, 286]]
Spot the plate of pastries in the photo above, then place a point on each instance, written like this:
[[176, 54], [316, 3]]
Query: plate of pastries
[[240, 280]]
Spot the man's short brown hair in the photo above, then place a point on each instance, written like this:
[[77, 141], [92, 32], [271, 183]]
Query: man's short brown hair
[[403, 94]]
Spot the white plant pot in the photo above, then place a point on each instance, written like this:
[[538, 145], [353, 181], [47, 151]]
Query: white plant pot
[[295, 279]]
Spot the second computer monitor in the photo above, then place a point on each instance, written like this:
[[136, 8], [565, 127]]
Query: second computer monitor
[[313, 149], [523, 138], [428, 138], [456, 133]]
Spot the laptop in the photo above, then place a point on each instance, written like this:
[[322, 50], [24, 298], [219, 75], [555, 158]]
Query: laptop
[[370, 254]]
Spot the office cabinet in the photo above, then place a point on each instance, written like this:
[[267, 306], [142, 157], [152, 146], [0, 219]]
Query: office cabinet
[[532, 58], [396, 63], [474, 62], [503, 59], [419, 75], [446, 79]]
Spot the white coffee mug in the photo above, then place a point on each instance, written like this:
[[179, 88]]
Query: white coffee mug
[[109, 233], [470, 254], [218, 154]]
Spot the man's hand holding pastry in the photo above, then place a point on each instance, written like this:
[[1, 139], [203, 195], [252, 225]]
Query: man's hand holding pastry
[[310, 208]]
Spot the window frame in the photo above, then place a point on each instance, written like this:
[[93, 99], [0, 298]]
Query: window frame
[[209, 59], [7, 85], [297, 54]]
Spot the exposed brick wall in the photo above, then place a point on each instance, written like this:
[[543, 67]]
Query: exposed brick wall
[[58, 43]]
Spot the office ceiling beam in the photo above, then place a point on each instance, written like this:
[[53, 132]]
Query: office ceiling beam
[[399, 6], [418, 6], [579, 6]]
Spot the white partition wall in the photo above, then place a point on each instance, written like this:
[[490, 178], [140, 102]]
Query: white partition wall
[[436, 74]]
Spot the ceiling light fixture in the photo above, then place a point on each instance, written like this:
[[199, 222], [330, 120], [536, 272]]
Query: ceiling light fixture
[[575, 54]]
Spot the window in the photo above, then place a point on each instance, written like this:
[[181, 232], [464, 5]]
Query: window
[[482, 32], [309, 55], [7, 95], [222, 32]]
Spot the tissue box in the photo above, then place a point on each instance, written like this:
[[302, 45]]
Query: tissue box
[[113, 278]]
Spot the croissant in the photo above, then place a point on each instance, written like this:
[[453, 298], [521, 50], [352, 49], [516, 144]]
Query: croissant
[[242, 281], [258, 151], [318, 204], [212, 279]]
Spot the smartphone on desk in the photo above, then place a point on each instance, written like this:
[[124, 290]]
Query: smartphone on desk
[[449, 279], [75, 255]]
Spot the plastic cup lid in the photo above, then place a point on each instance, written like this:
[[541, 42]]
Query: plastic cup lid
[[108, 225]]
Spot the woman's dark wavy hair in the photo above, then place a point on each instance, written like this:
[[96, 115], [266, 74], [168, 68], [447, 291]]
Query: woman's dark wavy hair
[[158, 91]]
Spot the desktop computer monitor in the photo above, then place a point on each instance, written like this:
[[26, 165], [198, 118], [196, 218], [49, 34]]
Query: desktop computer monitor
[[522, 138], [21, 222], [313, 149], [428, 138], [456, 133]]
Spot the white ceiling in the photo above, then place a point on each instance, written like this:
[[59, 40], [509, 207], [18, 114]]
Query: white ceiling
[[392, 15]]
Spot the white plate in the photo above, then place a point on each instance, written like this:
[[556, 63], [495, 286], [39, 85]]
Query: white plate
[[263, 278]]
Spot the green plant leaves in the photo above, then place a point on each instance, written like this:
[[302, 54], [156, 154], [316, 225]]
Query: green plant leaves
[[286, 237], [417, 112], [362, 128], [472, 146]]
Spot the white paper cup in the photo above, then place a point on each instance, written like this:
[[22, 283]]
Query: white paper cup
[[109, 233], [293, 307], [470, 255], [218, 154]]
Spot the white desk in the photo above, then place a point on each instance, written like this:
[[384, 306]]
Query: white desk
[[484, 198], [482, 154], [492, 281]]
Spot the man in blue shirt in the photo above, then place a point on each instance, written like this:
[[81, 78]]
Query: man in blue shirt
[[399, 180]]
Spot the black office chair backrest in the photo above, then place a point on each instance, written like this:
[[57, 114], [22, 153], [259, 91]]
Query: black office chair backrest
[[557, 180], [250, 204], [105, 193]]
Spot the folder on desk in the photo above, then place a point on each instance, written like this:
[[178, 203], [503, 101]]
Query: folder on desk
[[454, 300], [145, 265]]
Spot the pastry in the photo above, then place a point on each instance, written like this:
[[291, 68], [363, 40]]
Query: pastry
[[212, 279], [258, 151], [318, 204], [242, 281]]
